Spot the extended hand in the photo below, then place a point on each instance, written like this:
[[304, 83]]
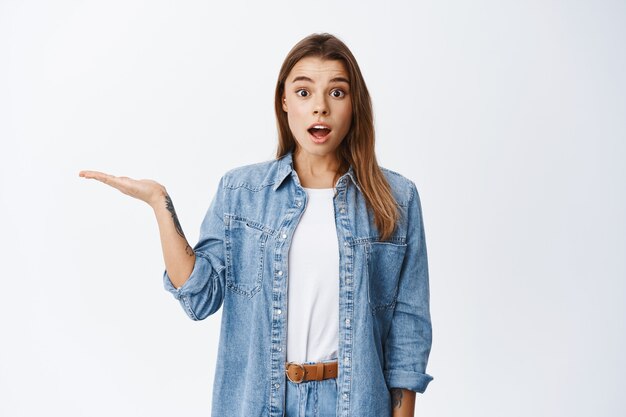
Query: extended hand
[[146, 190]]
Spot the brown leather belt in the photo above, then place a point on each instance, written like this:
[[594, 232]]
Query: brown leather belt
[[298, 372]]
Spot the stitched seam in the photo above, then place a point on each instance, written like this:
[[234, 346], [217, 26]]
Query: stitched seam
[[185, 300]]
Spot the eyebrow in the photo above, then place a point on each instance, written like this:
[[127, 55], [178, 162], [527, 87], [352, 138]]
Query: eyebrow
[[334, 80]]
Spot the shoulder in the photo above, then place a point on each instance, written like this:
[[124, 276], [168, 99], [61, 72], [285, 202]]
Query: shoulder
[[252, 176], [402, 188]]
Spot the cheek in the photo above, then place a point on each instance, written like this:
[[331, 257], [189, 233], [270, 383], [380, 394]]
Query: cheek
[[294, 115], [296, 109], [346, 115], [294, 121]]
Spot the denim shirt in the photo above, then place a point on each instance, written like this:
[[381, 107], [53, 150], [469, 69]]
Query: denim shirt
[[241, 266]]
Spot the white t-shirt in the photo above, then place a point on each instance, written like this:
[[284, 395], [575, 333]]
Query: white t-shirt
[[313, 282]]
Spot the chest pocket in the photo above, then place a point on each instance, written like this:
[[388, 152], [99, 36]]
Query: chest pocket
[[245, 254], [384, 262]]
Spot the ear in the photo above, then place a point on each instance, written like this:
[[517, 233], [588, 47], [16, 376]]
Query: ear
[[284, 103]]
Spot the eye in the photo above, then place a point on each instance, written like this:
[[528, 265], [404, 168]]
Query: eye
[[337, 93], [302, 92]]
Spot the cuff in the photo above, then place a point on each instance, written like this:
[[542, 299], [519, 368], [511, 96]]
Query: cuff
[[196, 281], [414, 381]]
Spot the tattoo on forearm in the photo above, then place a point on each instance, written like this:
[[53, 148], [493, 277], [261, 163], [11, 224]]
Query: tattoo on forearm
[[396, 397], [170, 207]]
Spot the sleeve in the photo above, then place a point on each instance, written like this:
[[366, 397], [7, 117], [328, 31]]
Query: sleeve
[[408, 343], [203, 292]]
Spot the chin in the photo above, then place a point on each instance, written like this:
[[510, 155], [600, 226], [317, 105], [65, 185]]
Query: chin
[[318, 150]]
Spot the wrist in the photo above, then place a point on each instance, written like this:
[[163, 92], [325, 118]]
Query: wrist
[[158, 200]]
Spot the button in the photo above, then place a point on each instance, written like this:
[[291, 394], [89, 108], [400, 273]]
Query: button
[[279, 311], [280, 272], [346, 243], [342, 210], [346, 361], [348, 280], [298, 203], [277, 385], [284, 236], [279, 348], [345, 395], [347, 322]]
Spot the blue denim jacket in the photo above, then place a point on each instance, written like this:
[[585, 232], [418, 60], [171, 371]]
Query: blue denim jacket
[[241, 265]]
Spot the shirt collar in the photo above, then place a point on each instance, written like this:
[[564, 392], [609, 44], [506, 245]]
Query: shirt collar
[[285, 168]]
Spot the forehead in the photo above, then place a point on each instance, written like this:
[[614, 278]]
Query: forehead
[[318, 69]]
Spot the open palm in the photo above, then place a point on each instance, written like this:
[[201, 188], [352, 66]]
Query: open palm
[[146, 190]]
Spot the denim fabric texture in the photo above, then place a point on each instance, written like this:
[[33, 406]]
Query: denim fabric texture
[[241, 266], [311, 398]]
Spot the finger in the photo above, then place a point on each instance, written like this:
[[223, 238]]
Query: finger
[[97, 175], [124, 184], [112, 180]]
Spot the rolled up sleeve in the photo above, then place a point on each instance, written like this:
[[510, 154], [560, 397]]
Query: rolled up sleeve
[[408, 343], [203, 292]]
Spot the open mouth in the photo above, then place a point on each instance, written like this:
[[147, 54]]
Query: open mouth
[[319, 132]]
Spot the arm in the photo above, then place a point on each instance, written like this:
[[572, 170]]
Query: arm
[[178, 255], [408, 343], [194, 276], [402, 402]]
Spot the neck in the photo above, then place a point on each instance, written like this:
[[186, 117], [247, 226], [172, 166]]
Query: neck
[[315, 171]]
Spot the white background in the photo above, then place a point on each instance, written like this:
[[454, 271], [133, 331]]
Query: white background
[[509, 116]]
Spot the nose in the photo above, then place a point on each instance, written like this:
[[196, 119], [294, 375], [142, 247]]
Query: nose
[[320, 107]]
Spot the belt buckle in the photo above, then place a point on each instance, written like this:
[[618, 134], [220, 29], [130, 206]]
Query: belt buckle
[[298, 365]]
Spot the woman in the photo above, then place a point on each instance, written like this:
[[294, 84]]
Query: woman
[[317, 258]]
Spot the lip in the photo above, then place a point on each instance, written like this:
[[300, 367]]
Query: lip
[[324, 125], [320, 140]]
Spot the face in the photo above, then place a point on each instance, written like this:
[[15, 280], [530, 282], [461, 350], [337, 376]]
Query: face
[[318, 104]]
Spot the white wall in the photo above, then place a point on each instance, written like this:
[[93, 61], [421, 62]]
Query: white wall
[[509, 116]]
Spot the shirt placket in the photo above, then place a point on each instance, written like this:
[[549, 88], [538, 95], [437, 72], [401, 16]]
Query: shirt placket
[[279, 300], [346, 297]]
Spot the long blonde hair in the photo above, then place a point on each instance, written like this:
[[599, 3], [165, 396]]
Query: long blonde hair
[[357, 148]]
